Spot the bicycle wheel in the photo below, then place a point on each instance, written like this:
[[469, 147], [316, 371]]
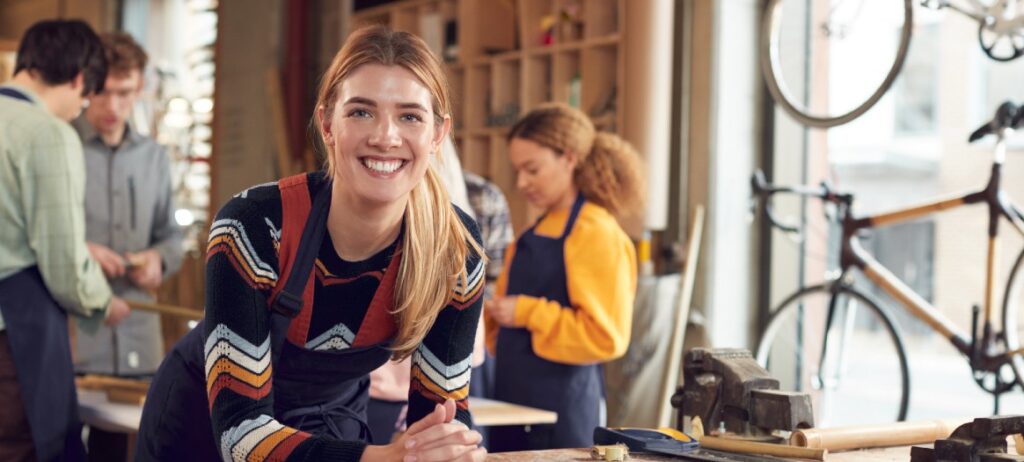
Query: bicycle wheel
[[859, 377], [826, 62], [1013, 319]]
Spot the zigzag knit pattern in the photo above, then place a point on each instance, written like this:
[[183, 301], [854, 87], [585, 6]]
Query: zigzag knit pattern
[[242, 270]]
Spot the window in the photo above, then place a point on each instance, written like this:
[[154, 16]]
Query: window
[[909, 148]]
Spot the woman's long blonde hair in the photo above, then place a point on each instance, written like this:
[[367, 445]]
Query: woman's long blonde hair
[[436, 243]]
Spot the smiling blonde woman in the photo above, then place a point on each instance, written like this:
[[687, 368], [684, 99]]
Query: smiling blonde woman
[[319, 279]]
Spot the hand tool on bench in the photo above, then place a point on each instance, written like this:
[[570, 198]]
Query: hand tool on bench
[[752, 447], [983, 440], [726, 386], [670, 442]]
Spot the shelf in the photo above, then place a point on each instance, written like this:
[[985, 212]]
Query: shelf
[[506, 56], [456, 81], [536, 80], [575, 45], [566, 79], [475, 154], [504, 108], [600, 18], [477, 95], [600, 90], [486, 131]]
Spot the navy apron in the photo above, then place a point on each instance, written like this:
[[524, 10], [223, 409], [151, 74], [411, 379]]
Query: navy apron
[[521, 377], [37, 329], [318, 392]]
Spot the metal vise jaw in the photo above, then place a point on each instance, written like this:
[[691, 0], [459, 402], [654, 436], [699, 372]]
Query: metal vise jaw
[[983, 440], [726, 385]]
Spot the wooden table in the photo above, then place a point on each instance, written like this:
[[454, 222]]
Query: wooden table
[[491, 413], [574, 455], [97, 411]]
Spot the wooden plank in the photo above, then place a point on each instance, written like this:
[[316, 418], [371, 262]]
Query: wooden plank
[[489, 413], [672, 379]]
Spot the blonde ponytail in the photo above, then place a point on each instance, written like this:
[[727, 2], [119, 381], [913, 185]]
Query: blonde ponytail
[[434, 254]]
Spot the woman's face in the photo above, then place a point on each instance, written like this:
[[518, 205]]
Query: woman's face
[[543, 176], [381, 133]]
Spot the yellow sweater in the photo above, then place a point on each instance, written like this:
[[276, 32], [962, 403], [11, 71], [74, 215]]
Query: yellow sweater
[[600, 263]]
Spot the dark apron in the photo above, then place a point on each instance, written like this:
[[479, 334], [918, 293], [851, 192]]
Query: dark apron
[[37, 329], [522, 377], [318, 392]]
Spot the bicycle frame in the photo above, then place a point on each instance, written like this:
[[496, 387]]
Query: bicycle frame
[[855, 256]]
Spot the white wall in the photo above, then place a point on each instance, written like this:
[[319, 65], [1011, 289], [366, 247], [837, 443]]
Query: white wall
[[727, 291]]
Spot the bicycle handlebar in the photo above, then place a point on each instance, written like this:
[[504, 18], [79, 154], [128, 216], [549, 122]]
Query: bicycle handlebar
[[763, 190], [1008, 116]]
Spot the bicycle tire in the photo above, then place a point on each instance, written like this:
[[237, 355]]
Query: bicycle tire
[[788, 307], [1011, 316], [769, 57]]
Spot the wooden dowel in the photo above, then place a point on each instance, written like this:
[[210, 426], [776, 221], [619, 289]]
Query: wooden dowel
[[875, 436], [169, 310], [765, 449], [671, 380]]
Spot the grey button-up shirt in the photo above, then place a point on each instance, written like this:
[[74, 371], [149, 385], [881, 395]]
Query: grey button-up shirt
[[128, 208]]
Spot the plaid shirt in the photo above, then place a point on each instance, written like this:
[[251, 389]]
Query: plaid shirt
[[491, 210], [42, 190]]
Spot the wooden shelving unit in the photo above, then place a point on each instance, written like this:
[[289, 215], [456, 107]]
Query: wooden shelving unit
[[504, 62]]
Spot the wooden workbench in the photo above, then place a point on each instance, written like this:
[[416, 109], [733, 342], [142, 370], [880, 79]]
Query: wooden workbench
[[96, 410], [491, 413], [576, 455]]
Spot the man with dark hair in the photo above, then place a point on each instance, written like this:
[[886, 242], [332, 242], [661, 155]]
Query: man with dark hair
[[46, 268], [129, 215]]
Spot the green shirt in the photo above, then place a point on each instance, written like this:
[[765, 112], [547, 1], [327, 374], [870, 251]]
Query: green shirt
[[42, 191]]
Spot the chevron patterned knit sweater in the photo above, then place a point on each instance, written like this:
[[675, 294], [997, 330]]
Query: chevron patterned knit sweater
[[242, 270]]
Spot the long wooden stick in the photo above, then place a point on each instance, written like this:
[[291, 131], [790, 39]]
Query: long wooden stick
[[675, 350], [766, 449], [169, 310], [875, 436]]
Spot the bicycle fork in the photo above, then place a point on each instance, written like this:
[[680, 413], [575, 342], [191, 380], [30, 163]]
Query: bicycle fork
[[839, 326]]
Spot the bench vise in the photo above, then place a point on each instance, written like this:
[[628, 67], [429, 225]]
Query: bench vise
[[727, 386], [983, 440]]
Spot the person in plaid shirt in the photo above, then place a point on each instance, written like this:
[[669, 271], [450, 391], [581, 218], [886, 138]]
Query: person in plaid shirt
[[492, 215]]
